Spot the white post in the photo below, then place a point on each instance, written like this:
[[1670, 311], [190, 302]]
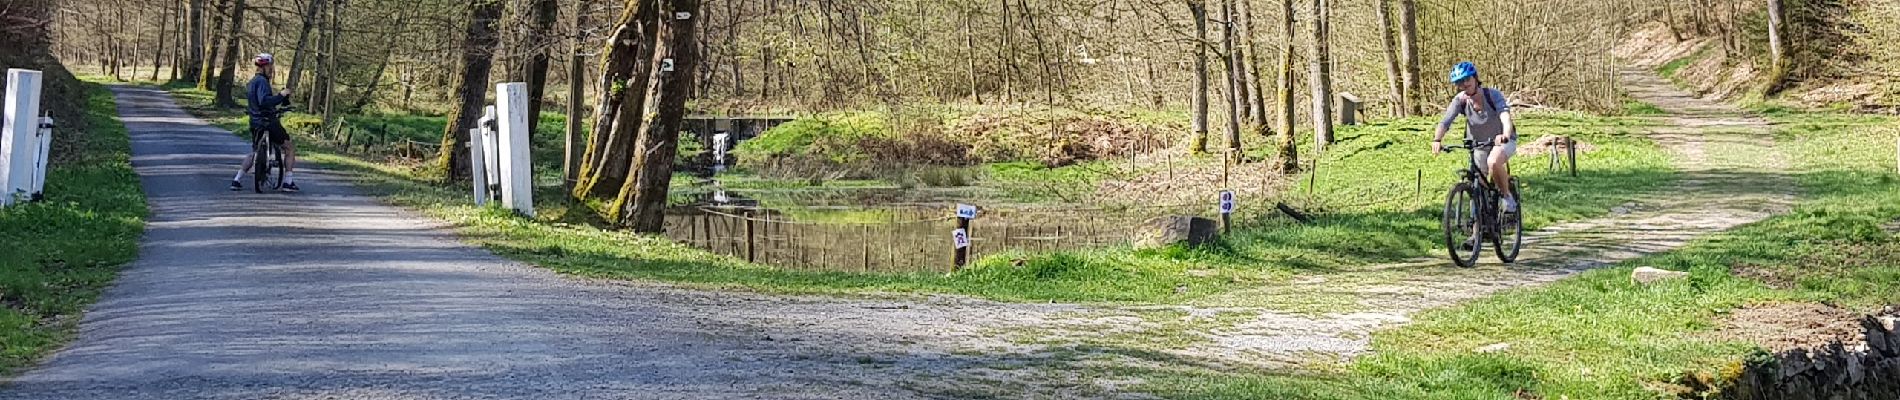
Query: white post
[[18, 135], [517, 175], [491, 167], [719, 151], [477, 174], [46, 145]]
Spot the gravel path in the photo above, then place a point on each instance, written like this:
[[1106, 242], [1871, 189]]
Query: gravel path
[[330, 294]]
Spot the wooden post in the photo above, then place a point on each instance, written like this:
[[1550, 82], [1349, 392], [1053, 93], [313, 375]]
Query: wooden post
[[750, 239], [1226, 166], [1896, 154], [864, 238], [1570, 145]]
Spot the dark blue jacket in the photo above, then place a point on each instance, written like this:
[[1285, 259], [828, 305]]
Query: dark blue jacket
[[262, 99]]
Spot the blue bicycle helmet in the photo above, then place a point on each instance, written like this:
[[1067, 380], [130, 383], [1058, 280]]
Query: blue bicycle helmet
[[1463, 70]]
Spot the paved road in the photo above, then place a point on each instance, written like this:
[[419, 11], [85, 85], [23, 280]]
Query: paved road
[[329, 294]]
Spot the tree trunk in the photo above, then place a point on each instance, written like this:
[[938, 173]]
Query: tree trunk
[[208, 73], [969, 46], [376, 80], [227, 73], [619, 101], [303, 40], [1235, 90], [535, 70], [1199, 9], [1408, 38], [326, 87], [570, 154], [1400, 103], [1669, 18], [1257, 90], [1007, 56], [1777, 48], [471, 87], [1289, 143], [158, 48], [195, 34], [1321, 73], [642, 199]]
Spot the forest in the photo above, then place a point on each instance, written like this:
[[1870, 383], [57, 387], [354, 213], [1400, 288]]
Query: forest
[[1239, 74]]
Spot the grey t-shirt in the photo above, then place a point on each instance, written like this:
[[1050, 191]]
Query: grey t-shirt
[[1481, 121]]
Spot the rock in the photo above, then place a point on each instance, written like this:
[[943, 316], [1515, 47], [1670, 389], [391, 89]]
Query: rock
[[1889, 322], [1877, 338], [1178, 229], [1494, 348], [1855, 373], [1647, 275], [1794, 362]]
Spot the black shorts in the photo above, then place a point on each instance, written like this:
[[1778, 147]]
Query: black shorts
[[277, 133]]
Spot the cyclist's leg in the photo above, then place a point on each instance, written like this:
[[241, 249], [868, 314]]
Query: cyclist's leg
[[1500, 168], [250, 156]]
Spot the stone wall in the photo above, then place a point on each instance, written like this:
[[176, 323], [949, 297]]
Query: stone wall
[[1864, 369]]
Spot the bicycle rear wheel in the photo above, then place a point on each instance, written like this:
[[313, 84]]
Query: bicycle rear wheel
[[1510, 229], [1461, 225]]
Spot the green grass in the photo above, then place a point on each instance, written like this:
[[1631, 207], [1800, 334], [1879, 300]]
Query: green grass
[[1668, 70], [1636, 107], [60, 253], [1380, 164], [1597, 335]]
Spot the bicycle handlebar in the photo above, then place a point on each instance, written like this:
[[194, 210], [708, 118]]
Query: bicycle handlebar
[[1469, 145]]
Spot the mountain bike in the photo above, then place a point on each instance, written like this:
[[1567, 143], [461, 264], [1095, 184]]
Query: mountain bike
[[1473, 214], [269, 166]]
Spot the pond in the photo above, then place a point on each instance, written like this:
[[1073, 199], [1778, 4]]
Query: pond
[[891, 229]]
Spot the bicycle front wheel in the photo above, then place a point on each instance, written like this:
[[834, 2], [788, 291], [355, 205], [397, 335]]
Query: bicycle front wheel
[[1510, 229], [1461, 225]]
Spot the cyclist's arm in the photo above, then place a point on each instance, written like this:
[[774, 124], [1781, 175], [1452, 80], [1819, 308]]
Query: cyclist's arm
[[260, 91], [1452, 111], [1504, 116]]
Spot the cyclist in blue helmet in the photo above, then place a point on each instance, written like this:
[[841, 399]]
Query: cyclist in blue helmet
[[1487, 119]]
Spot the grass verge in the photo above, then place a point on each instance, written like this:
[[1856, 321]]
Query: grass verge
[[1599, 336], [60, 253]]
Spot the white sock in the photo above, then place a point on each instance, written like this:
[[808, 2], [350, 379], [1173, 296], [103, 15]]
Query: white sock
[[238, 177], [290, 177]]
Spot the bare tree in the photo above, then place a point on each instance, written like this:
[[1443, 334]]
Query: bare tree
[[1322, 75], [1199, 9], [1289, 143], [1777, 48], [303, 40], [642, 200], [1401, 104], [535, 70], [195, 35], [471, 86], [1408, 35], [229, 69], [619, 100], [1235, 89]]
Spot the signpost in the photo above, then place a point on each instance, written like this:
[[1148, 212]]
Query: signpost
[[961, 236], [517, 174], [1226, 210]]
